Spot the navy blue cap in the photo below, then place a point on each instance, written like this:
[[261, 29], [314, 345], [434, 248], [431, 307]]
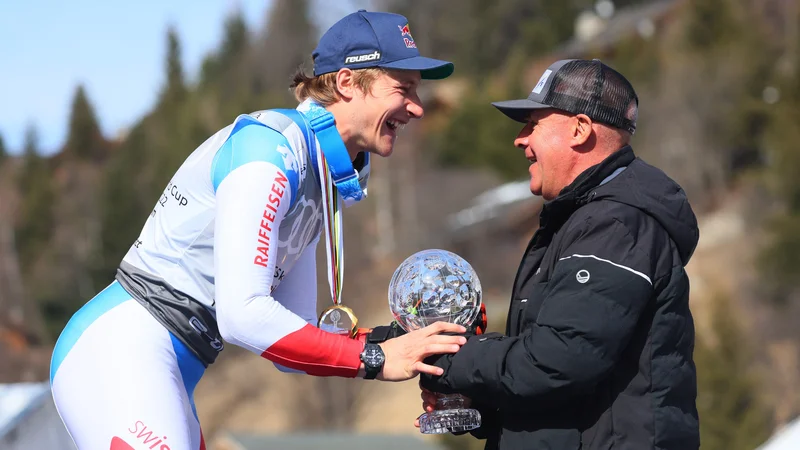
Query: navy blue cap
[[374, 39]]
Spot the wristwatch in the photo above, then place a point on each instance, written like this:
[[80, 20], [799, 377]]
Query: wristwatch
[[373, 359]]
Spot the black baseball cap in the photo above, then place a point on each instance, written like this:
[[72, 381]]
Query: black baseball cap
[[580, 86]]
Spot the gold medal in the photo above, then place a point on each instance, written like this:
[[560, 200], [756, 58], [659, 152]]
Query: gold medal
[[339, 319]]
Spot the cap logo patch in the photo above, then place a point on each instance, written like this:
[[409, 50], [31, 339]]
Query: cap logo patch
[[542, 81], [363, 58], [407, 39]]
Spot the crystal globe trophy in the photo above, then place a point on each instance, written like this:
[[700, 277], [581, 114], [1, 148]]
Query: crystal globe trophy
[[432, 286]]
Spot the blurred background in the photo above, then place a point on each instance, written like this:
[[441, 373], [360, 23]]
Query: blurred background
[[102, 101]]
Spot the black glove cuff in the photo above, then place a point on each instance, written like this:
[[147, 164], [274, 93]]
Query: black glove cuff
[[384, 333]]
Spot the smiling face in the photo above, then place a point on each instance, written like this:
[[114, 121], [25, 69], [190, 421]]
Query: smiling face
[[560, 146], [369, 121], [547, 140]]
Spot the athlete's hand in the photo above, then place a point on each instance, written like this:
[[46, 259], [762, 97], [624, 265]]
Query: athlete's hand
[[404, 354]]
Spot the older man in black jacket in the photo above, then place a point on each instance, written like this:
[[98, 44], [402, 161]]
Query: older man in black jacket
[[598, 346]]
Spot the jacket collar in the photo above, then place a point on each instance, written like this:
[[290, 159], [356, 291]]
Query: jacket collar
[[579, 192]]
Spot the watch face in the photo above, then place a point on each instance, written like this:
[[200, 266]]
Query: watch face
[[373, 355]]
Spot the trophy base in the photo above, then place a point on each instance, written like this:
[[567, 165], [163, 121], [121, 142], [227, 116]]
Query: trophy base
[[443, 421]]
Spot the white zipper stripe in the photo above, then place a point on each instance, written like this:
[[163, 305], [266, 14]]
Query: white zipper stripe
[[612, 263]]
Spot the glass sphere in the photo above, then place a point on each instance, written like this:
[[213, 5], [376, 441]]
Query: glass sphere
[[434, 286]]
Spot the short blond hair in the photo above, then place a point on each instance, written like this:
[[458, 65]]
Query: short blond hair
[[322, 89]]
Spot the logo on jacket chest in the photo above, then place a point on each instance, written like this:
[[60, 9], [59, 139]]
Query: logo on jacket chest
[[582, 276]]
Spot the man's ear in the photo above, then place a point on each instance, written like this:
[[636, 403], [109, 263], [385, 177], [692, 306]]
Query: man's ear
[[345, 84], [582, 130]]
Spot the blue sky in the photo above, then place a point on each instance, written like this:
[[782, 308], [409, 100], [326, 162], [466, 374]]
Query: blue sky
[[115, 48]]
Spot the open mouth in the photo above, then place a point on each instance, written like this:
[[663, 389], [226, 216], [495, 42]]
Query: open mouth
[[395, 125]]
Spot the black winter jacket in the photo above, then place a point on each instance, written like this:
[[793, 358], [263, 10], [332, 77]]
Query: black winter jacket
[[598, 347]]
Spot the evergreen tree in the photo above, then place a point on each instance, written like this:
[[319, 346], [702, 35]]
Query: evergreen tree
[[481, 137], [172, 122], [124, 204], [85, 140], [732, 415], [780, 259], [231, 55], [175, 90], [236, 40], [3, 151], [484, 40], [141, 166], [227, 74], [479, 36], [711, 23], [35, 223], [289, 39]]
